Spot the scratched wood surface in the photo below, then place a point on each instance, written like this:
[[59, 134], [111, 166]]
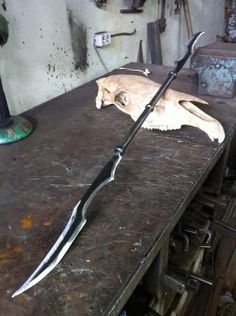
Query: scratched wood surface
[[43, 176]]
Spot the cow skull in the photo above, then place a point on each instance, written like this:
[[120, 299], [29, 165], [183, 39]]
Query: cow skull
[[130, 94]]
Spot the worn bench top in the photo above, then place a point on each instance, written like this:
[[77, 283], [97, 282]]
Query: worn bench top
[[43, 176]]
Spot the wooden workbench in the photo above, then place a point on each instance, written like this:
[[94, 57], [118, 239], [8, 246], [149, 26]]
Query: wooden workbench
[[43, 177]]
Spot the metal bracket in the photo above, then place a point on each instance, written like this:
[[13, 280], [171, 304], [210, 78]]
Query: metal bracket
[[181, 281], [174, 284]]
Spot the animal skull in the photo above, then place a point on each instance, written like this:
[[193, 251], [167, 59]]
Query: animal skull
[[130, 94]]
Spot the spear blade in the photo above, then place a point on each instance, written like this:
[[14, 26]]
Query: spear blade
[[78, 216], [74, 226], [56, 253]]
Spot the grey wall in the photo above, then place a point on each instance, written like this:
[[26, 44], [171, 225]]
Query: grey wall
[[37, 63]]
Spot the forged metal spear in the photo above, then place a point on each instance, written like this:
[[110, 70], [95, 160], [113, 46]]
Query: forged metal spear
[[78, 219]]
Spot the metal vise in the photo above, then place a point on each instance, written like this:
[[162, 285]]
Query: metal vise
[[216, 67]]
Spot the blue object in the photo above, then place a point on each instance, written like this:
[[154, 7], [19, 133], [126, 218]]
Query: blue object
[[216, 68]]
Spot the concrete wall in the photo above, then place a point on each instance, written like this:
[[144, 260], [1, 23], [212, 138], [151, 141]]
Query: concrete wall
[[37, 63]]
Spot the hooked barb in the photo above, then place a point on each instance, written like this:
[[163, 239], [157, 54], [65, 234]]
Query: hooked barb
[[189, 51]]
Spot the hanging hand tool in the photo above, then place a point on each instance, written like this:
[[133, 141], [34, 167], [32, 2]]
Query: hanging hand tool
[[187, 18], [187, 15], [133, 7], [154, 41], [107, 174], [178, 7], [162, 20], [101, 3], [140, 52]]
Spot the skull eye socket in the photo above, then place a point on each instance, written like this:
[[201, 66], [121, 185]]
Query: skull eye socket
[[121, 99]]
